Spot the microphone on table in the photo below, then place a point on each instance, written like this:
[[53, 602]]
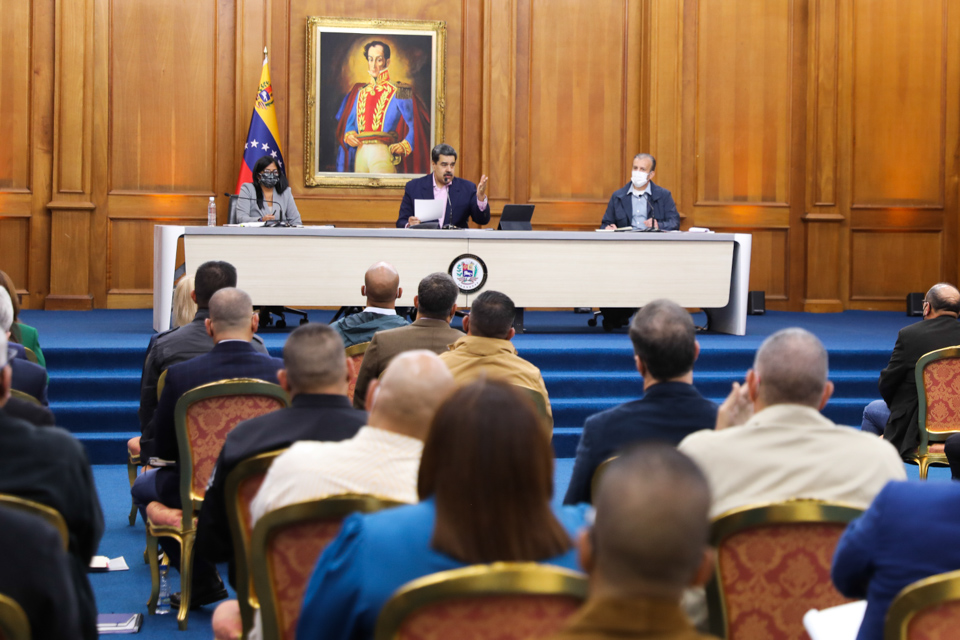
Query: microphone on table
[[268, 223]]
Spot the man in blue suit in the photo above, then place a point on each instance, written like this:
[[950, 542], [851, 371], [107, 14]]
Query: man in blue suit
[[908, 533], [642, 204], [465, 200], [231, 324], [665, 348]]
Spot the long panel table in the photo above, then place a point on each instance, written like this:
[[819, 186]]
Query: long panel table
[[316, 267]]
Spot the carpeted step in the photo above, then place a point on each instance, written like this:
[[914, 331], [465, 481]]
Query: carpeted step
[[97, 417], [99, 358], [106, 447], [95, 386]]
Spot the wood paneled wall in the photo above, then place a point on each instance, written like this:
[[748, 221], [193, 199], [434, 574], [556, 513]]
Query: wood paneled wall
[[829, 129]]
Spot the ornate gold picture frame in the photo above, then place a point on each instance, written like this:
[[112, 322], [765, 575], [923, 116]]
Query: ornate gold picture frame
[[374, 100]]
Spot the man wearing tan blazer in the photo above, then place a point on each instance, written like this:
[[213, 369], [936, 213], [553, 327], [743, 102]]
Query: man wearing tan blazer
[[436, 303]]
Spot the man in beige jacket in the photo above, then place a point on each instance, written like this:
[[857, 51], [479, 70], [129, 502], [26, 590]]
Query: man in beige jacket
[[486, 350]]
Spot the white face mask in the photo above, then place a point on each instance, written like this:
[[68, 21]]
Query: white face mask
[[639, 178]]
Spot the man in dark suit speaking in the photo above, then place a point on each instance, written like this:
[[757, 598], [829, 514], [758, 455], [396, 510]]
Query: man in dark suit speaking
[[465, 200], [642, 204]]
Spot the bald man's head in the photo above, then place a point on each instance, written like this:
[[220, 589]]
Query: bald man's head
[[791, 367], [411, 389], [231, 315], [381, 285], [943, 299], [652, 523]]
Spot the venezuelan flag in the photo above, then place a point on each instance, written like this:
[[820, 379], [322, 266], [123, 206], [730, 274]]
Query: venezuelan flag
[[264, 134]]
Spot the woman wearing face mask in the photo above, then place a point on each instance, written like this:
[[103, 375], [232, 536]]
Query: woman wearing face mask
[[267, 196]]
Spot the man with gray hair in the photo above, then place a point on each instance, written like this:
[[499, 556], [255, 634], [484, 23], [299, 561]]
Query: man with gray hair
[[231, 324], [772, 443], [648, 544], [315, 375], [665, 347]]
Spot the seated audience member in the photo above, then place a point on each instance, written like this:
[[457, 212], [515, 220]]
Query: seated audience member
[[49, 466], [189, 341], [665, 348], [28, 377], [649, 542], [381, 460], [315, 377], [381, 287], [19, 332], [436, 303], [910, 532], [36, 573], [485, 484], [486, 350], [938, 329], [184, 306], [231, 325], [772, 443]]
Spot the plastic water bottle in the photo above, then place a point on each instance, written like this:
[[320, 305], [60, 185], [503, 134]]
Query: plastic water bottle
[[163, 601], [212, 213]]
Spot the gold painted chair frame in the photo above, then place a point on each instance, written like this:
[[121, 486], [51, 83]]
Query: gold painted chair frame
[[597, 474], [13, 620], [923, 457], [498, 578], [31, 355], [51, 515], [240, 534], [736, 520], [191, 496], [16, 393], [916, 597], [271, 523], [133, 459]]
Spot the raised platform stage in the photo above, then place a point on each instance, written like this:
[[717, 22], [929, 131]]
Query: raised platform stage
[[95, 358]]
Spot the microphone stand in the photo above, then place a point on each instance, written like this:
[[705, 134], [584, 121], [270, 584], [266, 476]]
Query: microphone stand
[[268, 223]]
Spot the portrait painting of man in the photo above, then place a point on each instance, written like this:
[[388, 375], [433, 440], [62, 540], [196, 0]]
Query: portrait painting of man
[[376, 109]]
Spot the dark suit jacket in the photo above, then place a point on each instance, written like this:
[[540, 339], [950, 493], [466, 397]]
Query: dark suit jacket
[[620, 209], [424, 333], [890, 546], [49, 466], [30, 378], [169, 348], [668, 412], [36, 573], [35, 414], [18, 349], [309, 417], [898, 385], [233, 359], [462, 206]]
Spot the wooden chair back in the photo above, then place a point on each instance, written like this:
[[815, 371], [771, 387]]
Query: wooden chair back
[[284, 550], [242, 486], [773, 565], [51, 515], [355, 353], [13, 620], [928, 609], [500, 601]]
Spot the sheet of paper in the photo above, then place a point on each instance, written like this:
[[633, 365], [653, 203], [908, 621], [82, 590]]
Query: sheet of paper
[[836, 623], [428, 210], [117, 564]]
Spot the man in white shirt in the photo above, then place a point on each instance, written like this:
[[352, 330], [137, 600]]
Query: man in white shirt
[[383, 459], [381, 287], [772, 444]]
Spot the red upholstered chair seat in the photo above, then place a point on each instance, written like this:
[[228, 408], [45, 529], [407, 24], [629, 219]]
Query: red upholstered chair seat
[[504, 617], [161, 515], [773, 574]]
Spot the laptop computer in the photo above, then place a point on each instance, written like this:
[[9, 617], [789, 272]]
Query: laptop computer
[[516, 217]]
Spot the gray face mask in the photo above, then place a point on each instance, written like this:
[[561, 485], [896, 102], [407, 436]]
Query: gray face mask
[[269, 179]]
